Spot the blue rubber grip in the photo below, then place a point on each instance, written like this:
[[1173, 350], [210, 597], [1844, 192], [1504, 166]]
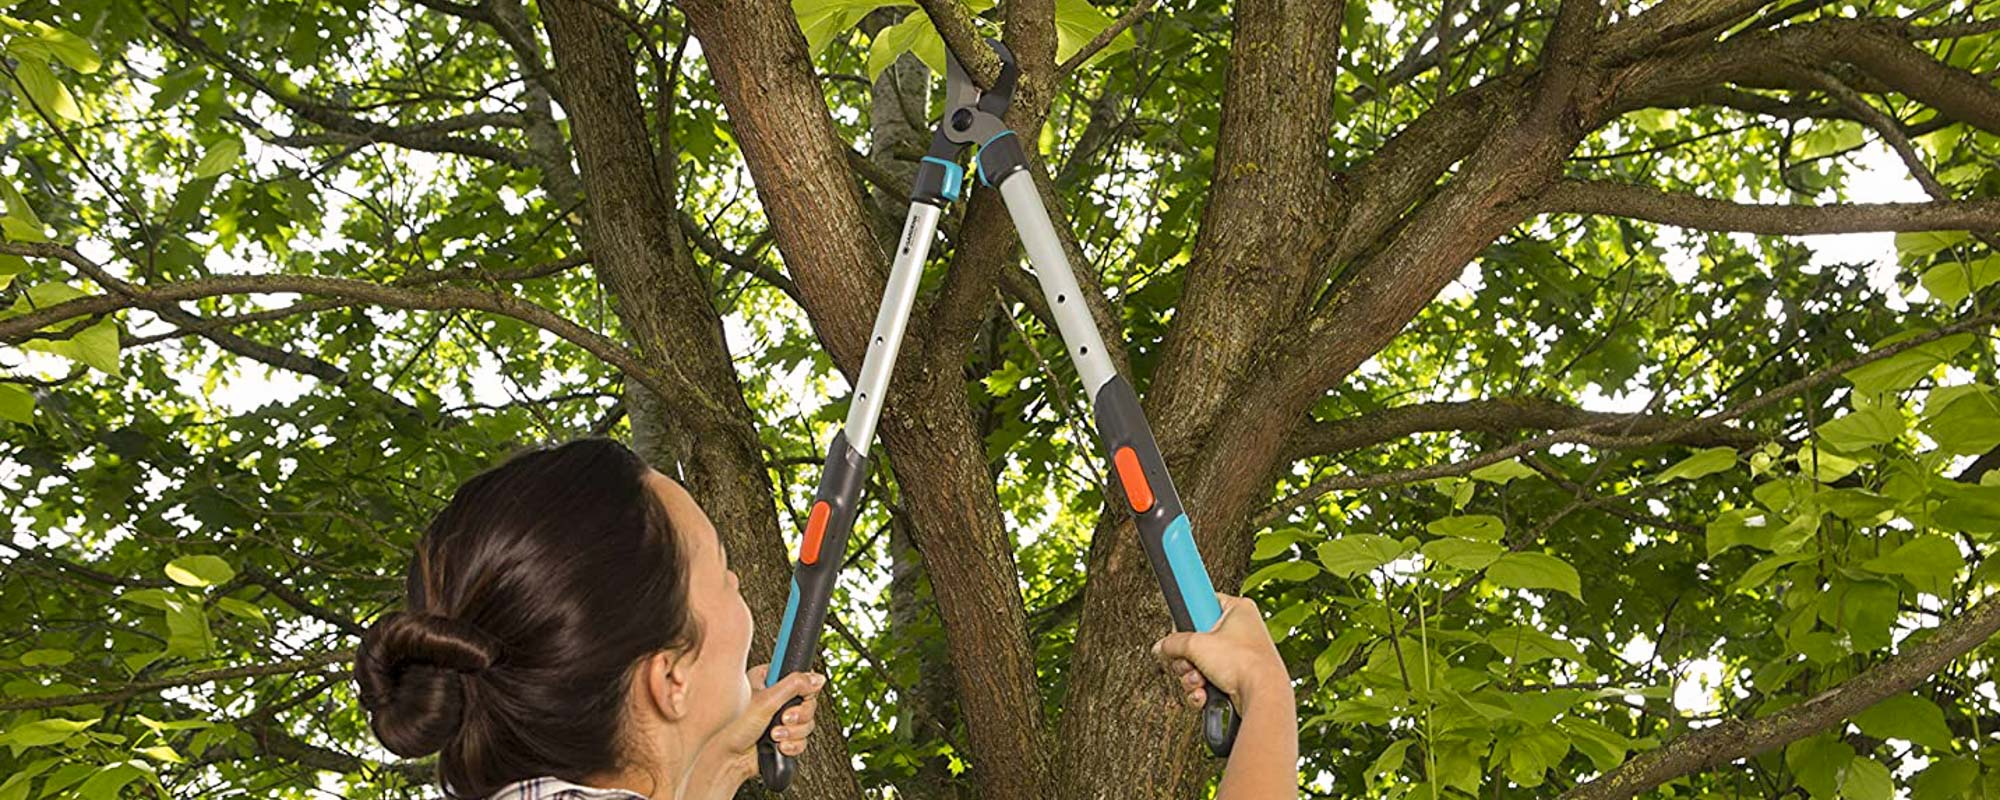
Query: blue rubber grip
[[1189, 574], [980, 159], [954, 182], [785, 636]]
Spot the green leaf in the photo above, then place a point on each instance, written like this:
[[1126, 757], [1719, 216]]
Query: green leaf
[[176, 725], [1481, 527], [1524, 645], [1356, 553], [1867, 779], [1535, 571], [1918, 244], [233, 606], [187, 631], [1530, 754], [1749, 527], [65, 777], [1867, 428], [1824, 465], [161, 753], [16, 787], [1504, 471], [95, 346], [1829, 136], [1605, 747], [23, 224], [1925, 556], [1337, 652], [1973, 511], [138, 661], [824, 20], [1854, 504], [1762, 571], [914, 35], [1944, 779], [1705, 462], [1865, 611], [105, 784], [160, 599], [46, 658], [1907, 717], [1276, 543], [1900, 371], [1817, 762], [219, 158], [1284, 571], [1966, 421], [1391, 759], [17, 404], [68, 48], [199, 571], [47, 92], [1952, 283], [44, 732], [1462, 553], [892, 42], [1078, 22], [10, 266], [1281, 624]]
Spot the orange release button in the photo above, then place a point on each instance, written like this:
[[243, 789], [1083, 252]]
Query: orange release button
[[1133, 477], [815, 530]]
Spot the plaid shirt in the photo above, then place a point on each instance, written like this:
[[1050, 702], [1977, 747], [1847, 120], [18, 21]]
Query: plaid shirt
[[557, 789]]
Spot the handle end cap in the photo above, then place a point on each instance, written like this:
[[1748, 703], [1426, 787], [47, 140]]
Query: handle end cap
[[1219, 724]]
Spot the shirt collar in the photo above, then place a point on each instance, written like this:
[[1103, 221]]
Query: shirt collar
[[550, 788]]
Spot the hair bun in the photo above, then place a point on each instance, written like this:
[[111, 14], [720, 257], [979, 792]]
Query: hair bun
[[411, 668]]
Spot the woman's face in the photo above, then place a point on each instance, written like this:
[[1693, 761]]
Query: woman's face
[[719, 689]]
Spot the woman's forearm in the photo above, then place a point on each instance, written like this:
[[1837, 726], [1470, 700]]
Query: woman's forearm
[[1265, 762]]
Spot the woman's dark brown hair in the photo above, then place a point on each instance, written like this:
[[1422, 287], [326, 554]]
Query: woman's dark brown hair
[[530, 598]]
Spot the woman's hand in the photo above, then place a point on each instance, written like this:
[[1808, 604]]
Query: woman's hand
[[732, 754], [1237, 657]]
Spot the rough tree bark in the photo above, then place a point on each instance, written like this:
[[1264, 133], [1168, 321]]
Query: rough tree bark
[[1339, 262], [778, 111], [665, 306]]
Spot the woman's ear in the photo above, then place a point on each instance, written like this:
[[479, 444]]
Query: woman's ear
[[665, 675]]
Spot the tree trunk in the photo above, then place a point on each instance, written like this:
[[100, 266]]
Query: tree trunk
[[778, 112], [665, 305]]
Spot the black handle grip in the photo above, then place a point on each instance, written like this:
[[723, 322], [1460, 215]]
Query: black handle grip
[[1219, 723], [825, 544], [1165, 534], [778, 769]]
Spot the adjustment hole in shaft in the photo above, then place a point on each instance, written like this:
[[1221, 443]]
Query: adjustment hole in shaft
[[1084, 351], [1060, 298]]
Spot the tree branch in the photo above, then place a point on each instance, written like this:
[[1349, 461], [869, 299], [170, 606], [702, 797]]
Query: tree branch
[[1499, 415], [1735, 739], [1103, 38], [955, 25], [137, 688], [1669, 22], [1595, 435], [740, 262], [1892, 133], [430, 137], [27, 326], [1691, 211], [1886, 52]]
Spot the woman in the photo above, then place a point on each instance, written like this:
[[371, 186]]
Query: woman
[[573, 632]]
